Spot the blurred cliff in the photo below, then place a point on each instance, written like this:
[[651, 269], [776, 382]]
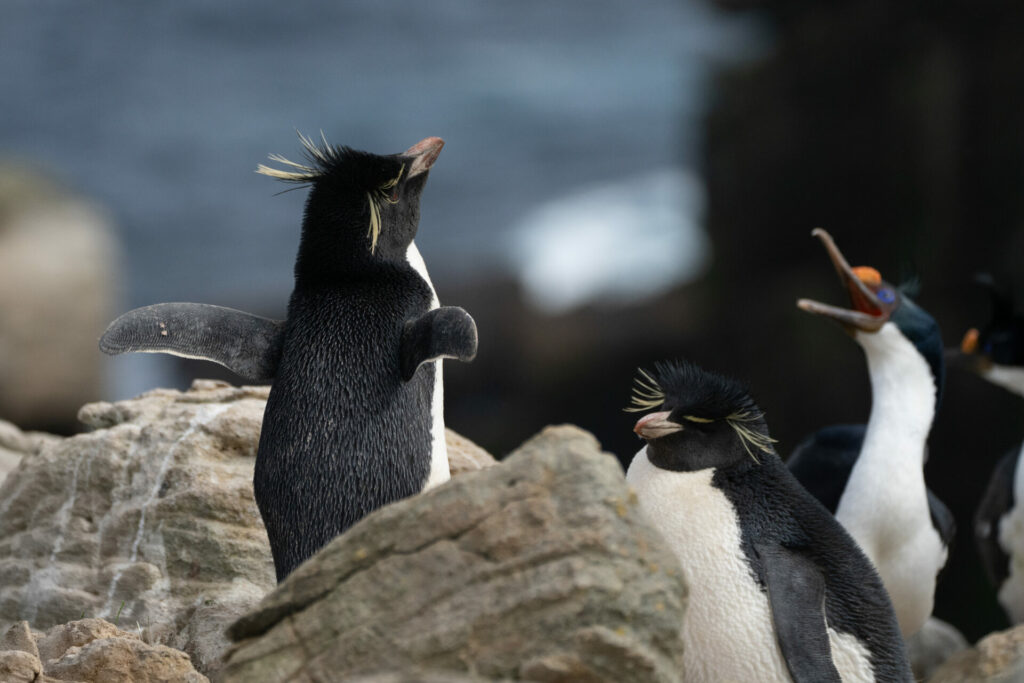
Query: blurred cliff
[[59, 270]]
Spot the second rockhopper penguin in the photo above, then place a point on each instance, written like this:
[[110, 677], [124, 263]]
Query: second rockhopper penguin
[[778, 589], [355, 415]]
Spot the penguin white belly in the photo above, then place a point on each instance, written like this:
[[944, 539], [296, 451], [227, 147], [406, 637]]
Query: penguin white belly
[[727, 633], [439, 470], [1011, 539]]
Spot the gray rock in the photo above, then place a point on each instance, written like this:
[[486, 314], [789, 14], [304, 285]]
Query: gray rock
[[58, 276], [997, 658], [541, 568], [149, 520], [464, 455], [936, 642], [91, 650]]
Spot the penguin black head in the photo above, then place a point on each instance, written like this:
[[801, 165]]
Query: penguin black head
[[702, 419], [362, 208], [873, 303], [996, 352]]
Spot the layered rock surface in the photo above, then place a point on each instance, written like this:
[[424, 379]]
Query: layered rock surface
[[90, 650], [148, 520], [539, 569]]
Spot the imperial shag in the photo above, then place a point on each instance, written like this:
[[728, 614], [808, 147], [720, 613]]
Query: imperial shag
[[871, 476]]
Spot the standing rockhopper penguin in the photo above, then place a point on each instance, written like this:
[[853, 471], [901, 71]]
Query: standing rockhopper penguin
[[778, 590], [355, 415]]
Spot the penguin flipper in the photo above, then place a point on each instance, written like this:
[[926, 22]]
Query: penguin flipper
[[244, 343], [796, 592], [446, 332]]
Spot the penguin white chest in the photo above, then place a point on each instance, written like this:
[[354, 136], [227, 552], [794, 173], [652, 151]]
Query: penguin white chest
[[439, 469], [728, 632]]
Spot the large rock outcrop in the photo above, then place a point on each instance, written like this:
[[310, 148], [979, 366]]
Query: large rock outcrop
[[148, 520], [540, 569]]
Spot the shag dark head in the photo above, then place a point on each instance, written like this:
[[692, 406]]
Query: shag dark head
[[362, 209], [701, 419], [873, 303], [996, 352]]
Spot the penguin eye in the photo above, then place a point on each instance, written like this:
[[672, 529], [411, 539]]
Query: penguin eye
[[886, 295]]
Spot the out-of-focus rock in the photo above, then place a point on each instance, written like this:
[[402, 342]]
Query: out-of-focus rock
[[148, 520], [58, 279], [464, 455], [997, 658], [90, 650], [936, 642], [540, 568]]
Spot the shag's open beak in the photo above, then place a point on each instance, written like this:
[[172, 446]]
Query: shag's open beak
[[867, 313], [655, 425], [424, 154]]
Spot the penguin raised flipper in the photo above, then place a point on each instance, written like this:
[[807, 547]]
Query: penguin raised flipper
[[246, 344], [446, 332], [796, 591]]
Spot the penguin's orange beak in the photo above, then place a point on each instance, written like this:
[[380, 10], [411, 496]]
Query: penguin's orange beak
[[656, 425], [424, 154]]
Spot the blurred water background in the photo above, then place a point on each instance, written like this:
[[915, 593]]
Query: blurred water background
[[622, 182], [161, 112]]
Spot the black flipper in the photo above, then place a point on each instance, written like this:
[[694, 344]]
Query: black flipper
[[796, 593], [243, 343], [996, 502], [446, 332]]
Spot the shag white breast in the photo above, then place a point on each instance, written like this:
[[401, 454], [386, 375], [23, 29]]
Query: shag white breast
[[885, 503], [727, 633]]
